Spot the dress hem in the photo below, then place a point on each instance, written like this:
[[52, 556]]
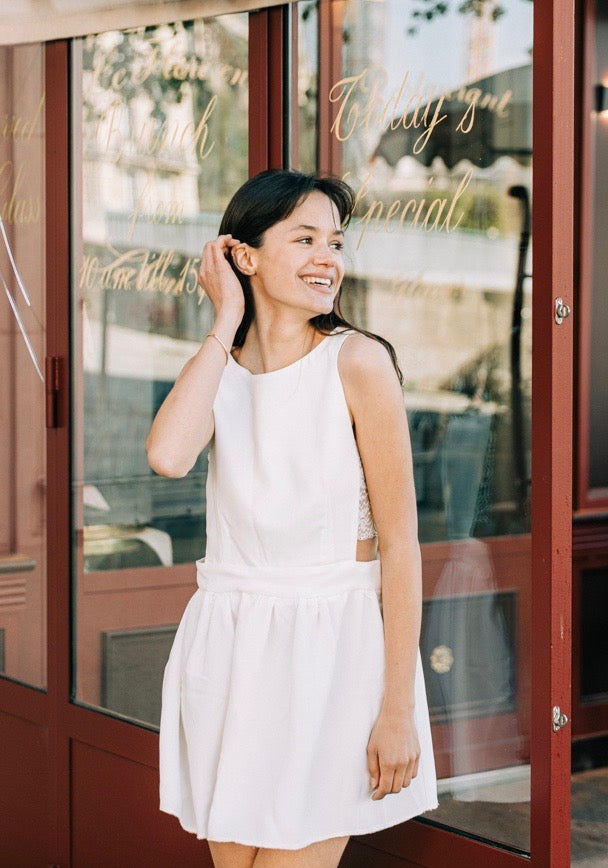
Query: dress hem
[[323, 837]]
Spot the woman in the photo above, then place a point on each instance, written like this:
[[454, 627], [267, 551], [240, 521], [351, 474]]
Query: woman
[[294, 712]]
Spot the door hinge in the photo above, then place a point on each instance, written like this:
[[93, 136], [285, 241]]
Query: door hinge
[[559, 718], [52, 383], [562, 310]]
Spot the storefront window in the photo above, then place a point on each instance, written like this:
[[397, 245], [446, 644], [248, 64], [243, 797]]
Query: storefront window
[[598, 368], [431, 115], [23, 553], [307, 126], [161, 143]]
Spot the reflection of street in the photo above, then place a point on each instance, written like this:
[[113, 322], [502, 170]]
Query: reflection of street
[[478, 623]]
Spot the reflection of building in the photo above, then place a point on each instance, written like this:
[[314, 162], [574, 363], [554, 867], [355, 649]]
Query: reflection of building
[[481, 42]]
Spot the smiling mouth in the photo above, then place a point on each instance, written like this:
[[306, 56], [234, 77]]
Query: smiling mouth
[[321, 282]]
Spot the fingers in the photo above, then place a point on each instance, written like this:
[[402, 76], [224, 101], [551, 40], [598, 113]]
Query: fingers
[[223, 241], [392, 778], [219, 246], [416, 764], [386, 783], [373, 767], [214, 256]]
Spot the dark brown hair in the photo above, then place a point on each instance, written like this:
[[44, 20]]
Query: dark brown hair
[[268, 198]]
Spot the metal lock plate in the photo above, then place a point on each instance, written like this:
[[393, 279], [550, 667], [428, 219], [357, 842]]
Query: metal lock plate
[[559, 718], [562, 310]]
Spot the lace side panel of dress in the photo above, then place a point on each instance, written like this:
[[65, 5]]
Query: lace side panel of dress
[[367, 528]]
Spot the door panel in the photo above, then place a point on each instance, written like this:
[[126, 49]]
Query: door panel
[[23, 567], [430, 120], [24, 820], [162, 116]]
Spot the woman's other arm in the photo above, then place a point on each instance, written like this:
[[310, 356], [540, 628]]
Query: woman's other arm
[[375, 399], [184, 423]]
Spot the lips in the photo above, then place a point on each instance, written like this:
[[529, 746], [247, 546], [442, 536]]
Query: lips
[[318, 281]]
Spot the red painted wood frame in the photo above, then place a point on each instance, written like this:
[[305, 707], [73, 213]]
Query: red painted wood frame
[[330, 70], [266, 58], [72, 821], [587, 501]]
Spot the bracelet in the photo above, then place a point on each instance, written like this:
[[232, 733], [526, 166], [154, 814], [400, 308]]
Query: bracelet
[[213, 334]]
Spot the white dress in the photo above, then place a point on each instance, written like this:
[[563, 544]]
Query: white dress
[[276, 675]]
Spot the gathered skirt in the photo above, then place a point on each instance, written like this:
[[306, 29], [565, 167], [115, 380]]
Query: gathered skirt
[[273, 685]]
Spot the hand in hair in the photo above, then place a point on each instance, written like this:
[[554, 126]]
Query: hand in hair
[[217, 277]]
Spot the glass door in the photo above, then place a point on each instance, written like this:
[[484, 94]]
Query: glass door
[[23, 396], [162, 142], [431, 112]]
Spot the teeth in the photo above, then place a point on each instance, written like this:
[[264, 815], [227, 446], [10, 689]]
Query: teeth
[[319, 281]]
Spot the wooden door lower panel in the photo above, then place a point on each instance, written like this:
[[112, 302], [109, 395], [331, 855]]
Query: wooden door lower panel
[[115, 816], [24, 795]]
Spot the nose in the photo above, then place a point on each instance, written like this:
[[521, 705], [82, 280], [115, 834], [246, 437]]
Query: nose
[[324, 254]]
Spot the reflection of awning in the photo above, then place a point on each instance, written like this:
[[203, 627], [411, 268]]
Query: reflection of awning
[[503, 133]]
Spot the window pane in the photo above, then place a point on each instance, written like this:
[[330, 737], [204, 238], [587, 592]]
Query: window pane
[[23, 562], [162, 147], [598, 394], [431, 114], [306, 123]]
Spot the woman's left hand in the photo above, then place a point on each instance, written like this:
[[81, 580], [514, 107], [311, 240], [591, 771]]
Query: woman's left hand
[[393, 752]]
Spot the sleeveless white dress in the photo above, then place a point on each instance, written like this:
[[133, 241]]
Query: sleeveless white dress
[[276, 674]]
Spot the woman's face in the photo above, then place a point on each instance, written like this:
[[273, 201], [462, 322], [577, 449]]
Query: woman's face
[[300, 261]]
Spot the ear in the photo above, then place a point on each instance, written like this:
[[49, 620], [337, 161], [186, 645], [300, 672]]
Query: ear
[[244, 258]]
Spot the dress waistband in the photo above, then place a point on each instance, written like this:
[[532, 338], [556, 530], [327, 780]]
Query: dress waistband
[[291, 580]]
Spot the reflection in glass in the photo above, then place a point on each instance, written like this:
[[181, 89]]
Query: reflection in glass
[[23, 562], [163, 144], [306, 128], [433, 114], [598, 318]]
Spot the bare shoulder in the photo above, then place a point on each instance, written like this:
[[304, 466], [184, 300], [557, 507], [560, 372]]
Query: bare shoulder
[[367, 373], [361, 358]]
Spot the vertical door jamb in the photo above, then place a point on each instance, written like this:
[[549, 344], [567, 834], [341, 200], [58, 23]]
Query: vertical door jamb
[[58, 455], [553, 185]]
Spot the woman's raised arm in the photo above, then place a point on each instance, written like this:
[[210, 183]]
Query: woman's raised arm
[[184, 425]]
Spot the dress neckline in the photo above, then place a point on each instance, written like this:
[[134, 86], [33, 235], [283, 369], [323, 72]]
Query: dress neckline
[[307, 355]]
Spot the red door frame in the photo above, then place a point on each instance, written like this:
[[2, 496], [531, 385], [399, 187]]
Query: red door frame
[[80, 742]]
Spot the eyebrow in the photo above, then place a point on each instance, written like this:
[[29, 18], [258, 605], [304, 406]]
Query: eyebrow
[[315, 229]]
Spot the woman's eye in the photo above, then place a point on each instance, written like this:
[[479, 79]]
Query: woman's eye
[[337, 245], [305, 240]]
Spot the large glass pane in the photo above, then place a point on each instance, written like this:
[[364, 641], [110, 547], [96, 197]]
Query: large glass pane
[[23, 564], [305, 125], [598, 366], [160, 146], [431, 107]]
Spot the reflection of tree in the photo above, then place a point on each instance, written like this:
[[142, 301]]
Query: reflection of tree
[[130, 52], [181, 64], [428, 10]]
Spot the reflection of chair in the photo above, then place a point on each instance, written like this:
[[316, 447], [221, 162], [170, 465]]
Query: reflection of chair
[[132, 666], [469, 649], [109, 546], [468, 636], [423, 426], [463, 455]]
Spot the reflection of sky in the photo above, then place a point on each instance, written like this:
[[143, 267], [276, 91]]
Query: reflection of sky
[[439, 48]]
